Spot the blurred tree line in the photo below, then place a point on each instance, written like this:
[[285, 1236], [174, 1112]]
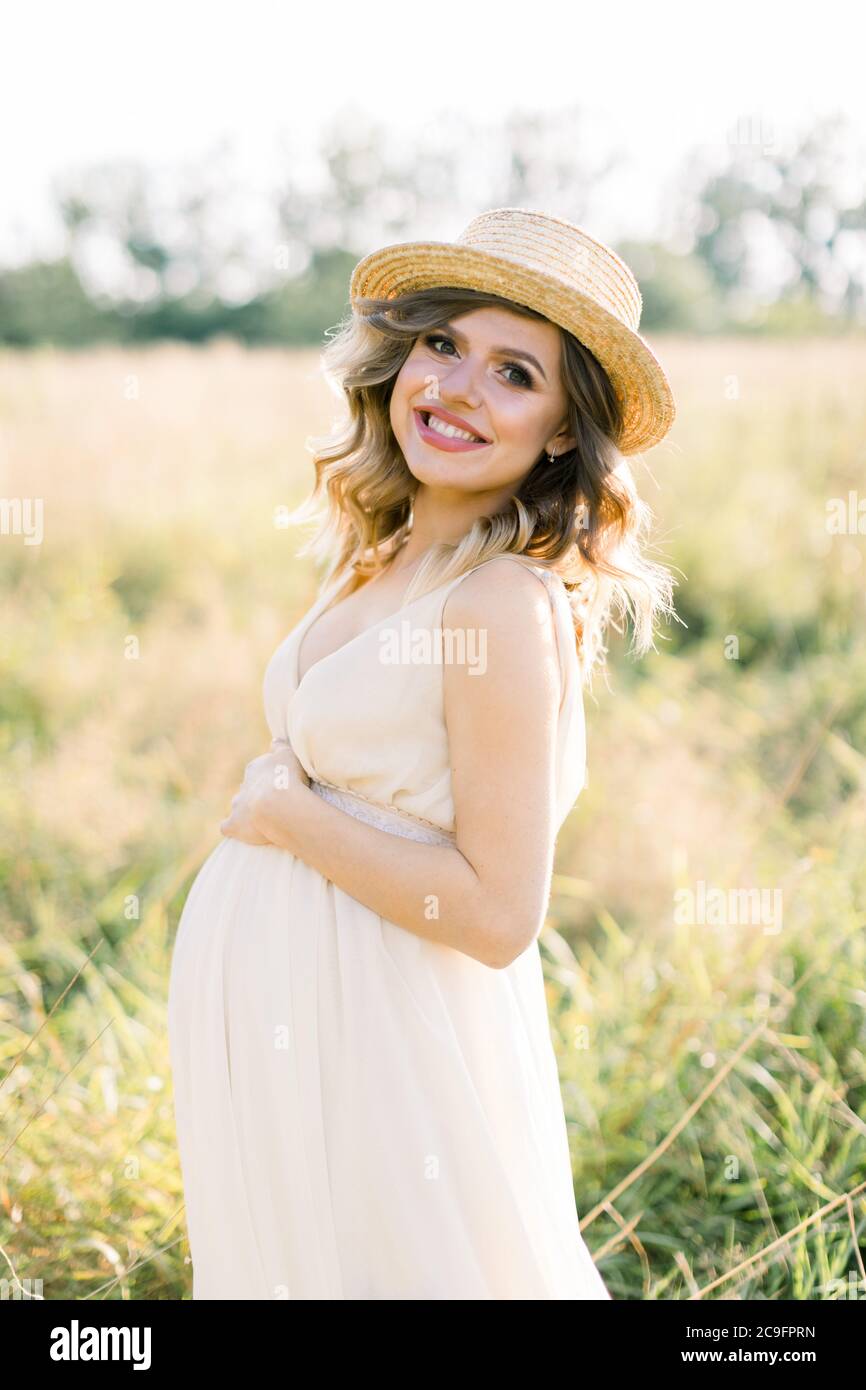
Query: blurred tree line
[[774, 241]]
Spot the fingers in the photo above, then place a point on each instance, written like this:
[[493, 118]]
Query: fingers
[[256, 764]]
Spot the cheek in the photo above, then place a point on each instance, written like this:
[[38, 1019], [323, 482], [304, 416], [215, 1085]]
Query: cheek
[[410, 380], [519, 424], [408, 386], [415, 383]]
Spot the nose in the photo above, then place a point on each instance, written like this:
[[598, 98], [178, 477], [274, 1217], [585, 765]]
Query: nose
[[459, 382]]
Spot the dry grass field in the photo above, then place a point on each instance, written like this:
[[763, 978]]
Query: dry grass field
[[713, 1068]]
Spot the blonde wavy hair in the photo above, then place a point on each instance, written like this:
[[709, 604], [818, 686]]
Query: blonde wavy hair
[[581, 515]]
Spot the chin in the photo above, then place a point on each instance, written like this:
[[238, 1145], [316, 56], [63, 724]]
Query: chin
[[451, 472]]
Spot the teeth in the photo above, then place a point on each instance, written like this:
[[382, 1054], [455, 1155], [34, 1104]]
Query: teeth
[[441, 427]]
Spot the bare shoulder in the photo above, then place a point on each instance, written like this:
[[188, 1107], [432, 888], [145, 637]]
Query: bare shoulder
[[503, 592], [507, 604]]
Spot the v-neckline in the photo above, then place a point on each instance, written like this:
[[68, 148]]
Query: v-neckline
[[315, 613]]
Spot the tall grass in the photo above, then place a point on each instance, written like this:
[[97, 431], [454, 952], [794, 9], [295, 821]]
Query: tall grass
[[714, 1072]]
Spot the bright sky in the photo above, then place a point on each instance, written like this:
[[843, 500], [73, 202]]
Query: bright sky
[[163, 81]]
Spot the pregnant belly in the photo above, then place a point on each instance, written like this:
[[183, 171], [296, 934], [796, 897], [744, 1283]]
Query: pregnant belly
[[261, 930], [266, 940], [270, 954], [251, 977], [241, 893], [260, 900]]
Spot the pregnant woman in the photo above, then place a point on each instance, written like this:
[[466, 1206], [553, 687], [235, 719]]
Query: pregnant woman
[[366, 1092]]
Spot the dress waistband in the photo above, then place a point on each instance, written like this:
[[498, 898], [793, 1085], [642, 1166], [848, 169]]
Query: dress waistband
[[388, 818]]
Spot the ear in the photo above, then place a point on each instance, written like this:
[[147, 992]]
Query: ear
[[560, 444]]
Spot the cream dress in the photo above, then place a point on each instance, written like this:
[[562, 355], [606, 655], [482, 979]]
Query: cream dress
[[362, 1113]]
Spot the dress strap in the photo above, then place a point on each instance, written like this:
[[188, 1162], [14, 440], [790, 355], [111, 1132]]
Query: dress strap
[[549, 578]]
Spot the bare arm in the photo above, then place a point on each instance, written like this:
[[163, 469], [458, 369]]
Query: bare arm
[[488, 895]]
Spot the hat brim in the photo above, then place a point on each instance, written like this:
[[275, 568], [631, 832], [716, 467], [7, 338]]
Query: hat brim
[[637, 377]]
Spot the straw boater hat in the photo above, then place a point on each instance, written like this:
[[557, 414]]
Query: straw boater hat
[[555, 267]]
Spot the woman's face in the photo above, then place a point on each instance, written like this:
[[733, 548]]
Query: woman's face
[[495, 375]]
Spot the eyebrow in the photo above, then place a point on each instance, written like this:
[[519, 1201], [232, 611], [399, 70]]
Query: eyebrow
[[500, 351]]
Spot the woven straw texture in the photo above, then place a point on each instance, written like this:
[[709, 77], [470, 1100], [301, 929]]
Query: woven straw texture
[[553, 266]]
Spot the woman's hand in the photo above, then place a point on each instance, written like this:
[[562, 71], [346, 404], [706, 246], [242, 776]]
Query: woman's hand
[[272, 775]]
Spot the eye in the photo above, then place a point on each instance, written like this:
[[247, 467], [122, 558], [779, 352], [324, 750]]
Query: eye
[[432, 338], [525, 381], [513, 367]]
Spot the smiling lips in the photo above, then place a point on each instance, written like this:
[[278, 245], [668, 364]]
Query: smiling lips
[[442, 431]]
